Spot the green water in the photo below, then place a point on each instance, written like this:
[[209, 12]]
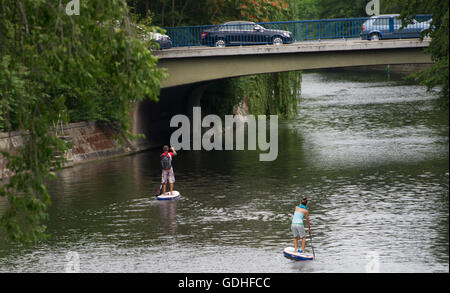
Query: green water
[[370, 154]]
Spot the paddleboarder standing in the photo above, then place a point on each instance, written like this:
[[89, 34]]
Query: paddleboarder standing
[[167, 170], [297, 226]]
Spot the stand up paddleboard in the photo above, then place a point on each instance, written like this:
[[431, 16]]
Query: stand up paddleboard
[[290, 253], [168, 196]]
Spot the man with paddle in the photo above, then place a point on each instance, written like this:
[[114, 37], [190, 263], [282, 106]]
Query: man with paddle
[[297, 227], [167, 170]]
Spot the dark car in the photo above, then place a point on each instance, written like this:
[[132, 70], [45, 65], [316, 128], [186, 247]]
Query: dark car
[[164, 41], [243, 33], [390, 27]]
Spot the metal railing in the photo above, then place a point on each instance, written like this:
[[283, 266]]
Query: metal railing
[[246, 33]]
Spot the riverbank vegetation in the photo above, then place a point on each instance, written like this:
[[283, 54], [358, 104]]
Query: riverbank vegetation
[[59, 67], [437, 74], [265, 94]]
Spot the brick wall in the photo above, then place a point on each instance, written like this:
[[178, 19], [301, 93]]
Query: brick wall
[[90, 141]]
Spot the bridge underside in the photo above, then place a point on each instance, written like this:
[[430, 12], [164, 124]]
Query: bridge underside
[[199, 65]]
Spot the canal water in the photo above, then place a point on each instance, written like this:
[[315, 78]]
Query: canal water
[[370, 154]]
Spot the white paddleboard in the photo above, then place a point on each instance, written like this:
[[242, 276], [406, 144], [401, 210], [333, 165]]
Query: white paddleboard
[[167, 196], [290, 253]]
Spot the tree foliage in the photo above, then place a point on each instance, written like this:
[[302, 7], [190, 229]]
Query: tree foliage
[[93, 66], [273, 93], [205, 12], [437, 74], [340, 9]]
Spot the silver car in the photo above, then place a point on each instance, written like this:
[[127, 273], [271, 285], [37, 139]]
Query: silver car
[[390, 27]]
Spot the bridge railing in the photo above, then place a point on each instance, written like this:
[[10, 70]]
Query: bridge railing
[[370, 28]]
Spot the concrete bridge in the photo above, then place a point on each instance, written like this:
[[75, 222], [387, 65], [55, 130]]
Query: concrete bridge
[[193, 69], [190, 65]]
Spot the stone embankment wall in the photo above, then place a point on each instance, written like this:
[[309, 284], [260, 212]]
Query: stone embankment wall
[[89, 141]]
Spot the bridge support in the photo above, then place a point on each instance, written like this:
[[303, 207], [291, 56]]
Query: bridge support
[[194, 96]]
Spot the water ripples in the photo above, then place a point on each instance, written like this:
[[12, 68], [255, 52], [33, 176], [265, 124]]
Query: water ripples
[[372, 157]]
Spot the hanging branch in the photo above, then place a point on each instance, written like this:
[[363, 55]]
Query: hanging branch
[[51, 63]]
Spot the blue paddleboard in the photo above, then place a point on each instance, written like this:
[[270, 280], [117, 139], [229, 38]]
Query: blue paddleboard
[[290, 253], [168, 196]]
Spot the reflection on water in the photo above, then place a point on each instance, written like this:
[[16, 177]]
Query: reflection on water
[[372, 157], [169, 216]]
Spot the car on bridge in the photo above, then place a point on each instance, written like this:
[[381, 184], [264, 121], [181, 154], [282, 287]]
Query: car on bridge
[[244, 33], [163, 41], [390, 27]]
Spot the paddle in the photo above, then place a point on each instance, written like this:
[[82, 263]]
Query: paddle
[[310, 236], [158, 193]]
